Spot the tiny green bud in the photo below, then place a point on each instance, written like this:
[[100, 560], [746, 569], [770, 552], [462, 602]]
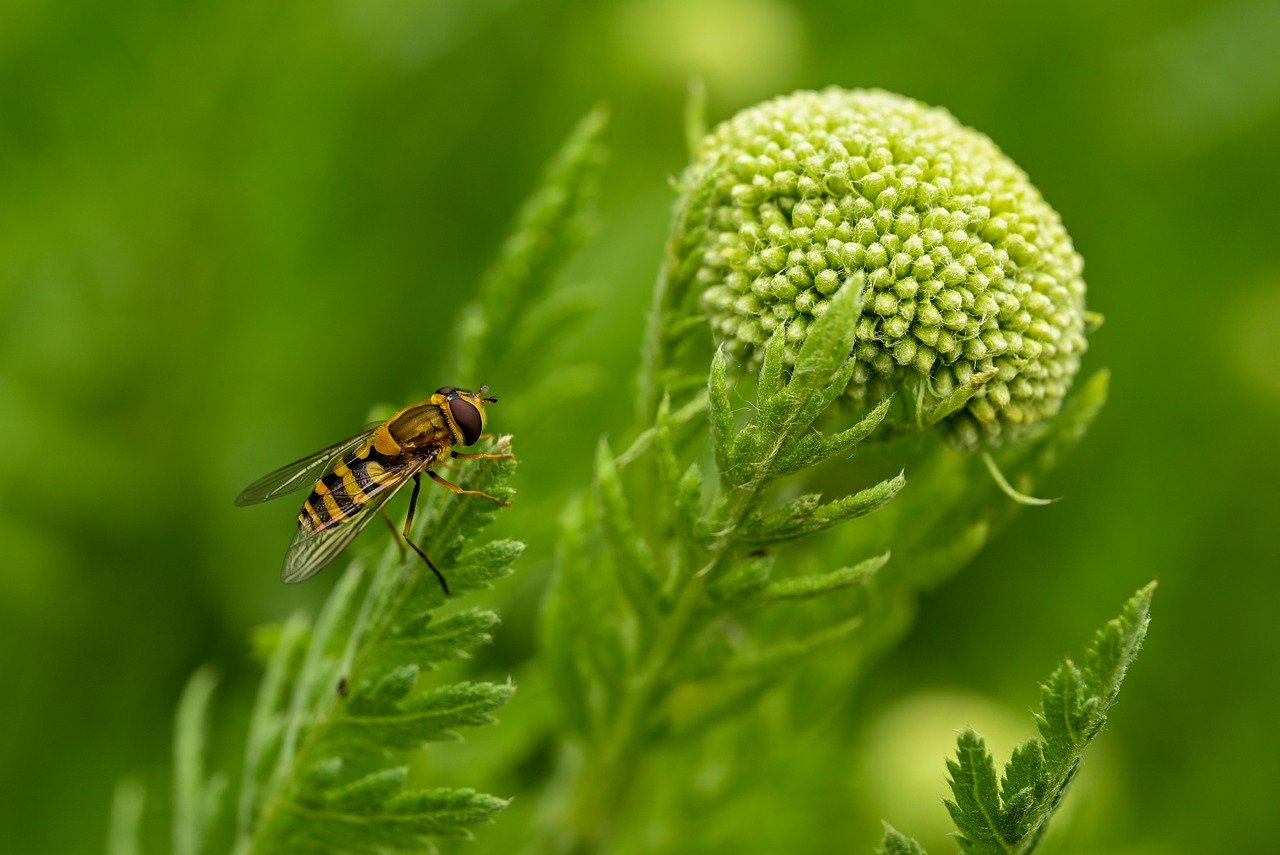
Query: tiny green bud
[[966, 267]]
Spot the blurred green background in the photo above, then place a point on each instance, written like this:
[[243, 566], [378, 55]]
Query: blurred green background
[[229, 229]]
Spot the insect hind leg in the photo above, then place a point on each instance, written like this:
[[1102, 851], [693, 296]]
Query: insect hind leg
[[407, 538]]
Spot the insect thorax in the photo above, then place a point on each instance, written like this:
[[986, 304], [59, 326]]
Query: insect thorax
[[421, 426]]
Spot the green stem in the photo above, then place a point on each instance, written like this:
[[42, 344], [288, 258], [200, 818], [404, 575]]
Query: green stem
[[603, 783]]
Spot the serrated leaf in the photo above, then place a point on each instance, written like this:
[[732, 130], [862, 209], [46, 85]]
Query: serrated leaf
[[818, 584], [770, 385], [897, 843], [405, 823], [433, 640], [975, 803], [806, 516], [191, 809], [664, 446], [689, 503], [478, 568], [383, 694], [639, 573], [430, 715], [1013, 817], [846, 440], [265, 725], [781, 653], [367, 793], [721, 414], [548, 229], [743, 579], [321, 775]]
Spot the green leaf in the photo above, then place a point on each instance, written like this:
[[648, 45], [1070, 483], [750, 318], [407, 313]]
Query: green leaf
[[640, 574], [782, 653], [770, 386], [548, 229], [721, 414], [959, 396], [126, 819], [194, 796], [265, 725], [825, 362], [975, 803], [368, 793], [897, 843], [1010, 816], [806, 516], [744, 579], [816, 585], [426, 716]]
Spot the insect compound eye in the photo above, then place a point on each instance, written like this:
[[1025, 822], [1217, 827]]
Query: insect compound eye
[[468, 418], [447, 391]]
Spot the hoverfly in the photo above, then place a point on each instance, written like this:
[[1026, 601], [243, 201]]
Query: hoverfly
[[354, 478]]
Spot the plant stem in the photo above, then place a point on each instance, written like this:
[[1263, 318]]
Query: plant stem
[[603, 783]]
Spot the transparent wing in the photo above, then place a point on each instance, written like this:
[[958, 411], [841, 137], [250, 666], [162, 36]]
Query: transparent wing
[[311, 551], [300, 473]]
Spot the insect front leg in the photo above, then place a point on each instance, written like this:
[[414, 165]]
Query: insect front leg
[[408, 528], [454, 488], [458, 455]]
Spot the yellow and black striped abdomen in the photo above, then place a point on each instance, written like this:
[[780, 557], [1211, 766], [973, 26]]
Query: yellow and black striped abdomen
[[352, 483]]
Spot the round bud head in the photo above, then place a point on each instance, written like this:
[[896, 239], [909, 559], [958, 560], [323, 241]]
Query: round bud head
[[969, 272]]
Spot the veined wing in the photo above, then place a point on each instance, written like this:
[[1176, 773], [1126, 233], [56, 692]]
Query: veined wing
[[301, 473], [311, 551]]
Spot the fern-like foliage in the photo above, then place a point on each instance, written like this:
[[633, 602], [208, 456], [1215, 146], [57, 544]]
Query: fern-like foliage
[[1009, 814], [685, 625], [347, 699]]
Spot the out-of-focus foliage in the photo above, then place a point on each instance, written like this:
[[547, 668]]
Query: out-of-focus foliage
[[1010, 812], [229, 230]]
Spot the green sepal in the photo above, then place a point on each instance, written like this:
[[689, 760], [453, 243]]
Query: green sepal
[[959, 396]]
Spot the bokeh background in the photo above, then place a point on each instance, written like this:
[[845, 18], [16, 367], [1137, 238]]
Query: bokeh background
[[229, 229]]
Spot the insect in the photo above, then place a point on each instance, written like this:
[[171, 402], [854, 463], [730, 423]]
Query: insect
[[354, 478]]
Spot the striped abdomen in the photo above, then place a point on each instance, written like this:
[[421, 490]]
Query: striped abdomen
[[359, 477]]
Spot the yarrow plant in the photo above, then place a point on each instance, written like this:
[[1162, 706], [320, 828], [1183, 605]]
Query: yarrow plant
[[844, 267]]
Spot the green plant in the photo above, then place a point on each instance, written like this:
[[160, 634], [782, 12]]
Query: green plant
[[695, 578], [703, 575], [346, 699], [1010, 814]]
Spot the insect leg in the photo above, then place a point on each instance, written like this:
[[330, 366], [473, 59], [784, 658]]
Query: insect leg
[[408, 528], [395, 532], [454, 488], [457, 455]]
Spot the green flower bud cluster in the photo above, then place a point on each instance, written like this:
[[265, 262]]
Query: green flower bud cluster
[[969, 272]]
